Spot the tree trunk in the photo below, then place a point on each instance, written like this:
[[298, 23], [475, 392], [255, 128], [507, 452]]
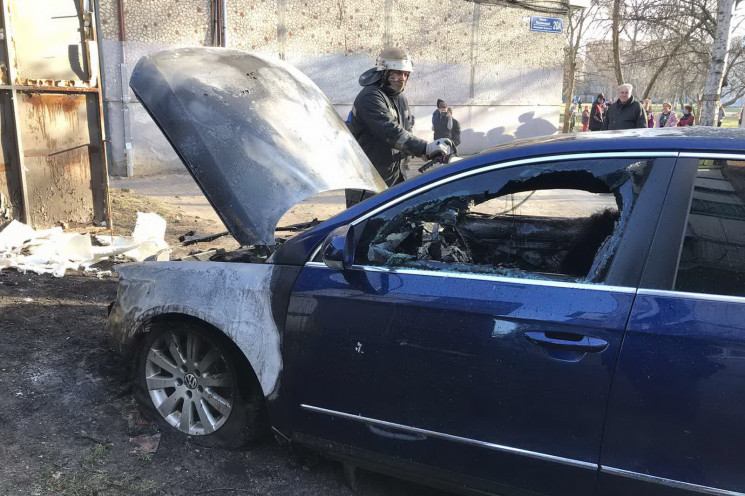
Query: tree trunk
[[570, 92], [719, 53], [616, 42], [577, 18]]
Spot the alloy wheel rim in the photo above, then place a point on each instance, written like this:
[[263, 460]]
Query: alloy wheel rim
[[190, 382]]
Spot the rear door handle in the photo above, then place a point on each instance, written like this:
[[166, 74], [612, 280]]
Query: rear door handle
[[566, 341]]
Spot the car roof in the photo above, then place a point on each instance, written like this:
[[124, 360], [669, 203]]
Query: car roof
[[688, 139], [674, 139]]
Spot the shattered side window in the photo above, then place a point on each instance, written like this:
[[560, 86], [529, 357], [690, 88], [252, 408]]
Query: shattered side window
[[556, 222]]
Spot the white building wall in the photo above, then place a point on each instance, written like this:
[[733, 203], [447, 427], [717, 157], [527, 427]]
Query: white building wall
[[502, 80]]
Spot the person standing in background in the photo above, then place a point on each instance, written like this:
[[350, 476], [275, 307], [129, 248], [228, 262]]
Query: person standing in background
[[572, 117], [442, 121], [444, 124], [647, 105], [626, 112], [668, 118], [585, 118], [688, 117], [597, 113]]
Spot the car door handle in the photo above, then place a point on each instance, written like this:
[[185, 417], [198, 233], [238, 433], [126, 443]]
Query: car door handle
[[566, 341]]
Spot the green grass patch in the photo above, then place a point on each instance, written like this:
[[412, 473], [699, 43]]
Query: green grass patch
[[97, 453]]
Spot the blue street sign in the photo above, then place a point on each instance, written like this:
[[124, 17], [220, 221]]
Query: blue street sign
[[546, 24]]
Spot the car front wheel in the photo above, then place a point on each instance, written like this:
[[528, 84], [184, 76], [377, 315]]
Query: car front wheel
[[187, 379]]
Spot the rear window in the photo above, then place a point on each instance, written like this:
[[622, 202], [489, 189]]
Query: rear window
[[712, 258]]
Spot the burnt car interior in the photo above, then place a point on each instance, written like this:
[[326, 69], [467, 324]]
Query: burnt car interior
[[559, 224]]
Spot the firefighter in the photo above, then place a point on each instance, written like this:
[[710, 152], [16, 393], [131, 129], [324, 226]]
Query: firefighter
[[382, 121]]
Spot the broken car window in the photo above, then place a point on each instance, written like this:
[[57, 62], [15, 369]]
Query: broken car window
[[555, 221]]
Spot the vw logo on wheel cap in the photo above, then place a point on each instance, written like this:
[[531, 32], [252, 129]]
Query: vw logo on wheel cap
[[190, 380]]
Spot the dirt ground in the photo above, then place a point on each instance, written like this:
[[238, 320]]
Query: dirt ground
[[68, 422]]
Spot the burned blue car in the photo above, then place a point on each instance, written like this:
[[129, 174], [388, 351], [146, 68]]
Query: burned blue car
[[560, 316]]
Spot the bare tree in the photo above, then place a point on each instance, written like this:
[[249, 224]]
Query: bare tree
[[734, 75], [669, 57], [666, 49], [719, 52], [579, 19], [645, 38]]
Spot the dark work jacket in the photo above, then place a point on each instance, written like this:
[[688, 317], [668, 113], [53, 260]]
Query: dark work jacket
[[381, 124], [629, 115]]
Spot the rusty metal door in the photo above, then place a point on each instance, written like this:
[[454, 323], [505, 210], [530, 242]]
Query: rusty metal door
[[52, 146]]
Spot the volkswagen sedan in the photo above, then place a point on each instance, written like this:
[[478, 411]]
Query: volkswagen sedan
[[560, 316]]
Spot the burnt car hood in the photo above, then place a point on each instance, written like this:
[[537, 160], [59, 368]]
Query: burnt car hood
[[257, 135]]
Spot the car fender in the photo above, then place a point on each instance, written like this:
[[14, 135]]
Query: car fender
[[235, 298]]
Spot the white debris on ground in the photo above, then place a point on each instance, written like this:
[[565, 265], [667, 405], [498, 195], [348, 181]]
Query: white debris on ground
[[53, 251]]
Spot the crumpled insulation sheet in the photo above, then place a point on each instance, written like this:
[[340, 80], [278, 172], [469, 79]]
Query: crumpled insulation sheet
[[53, 251]]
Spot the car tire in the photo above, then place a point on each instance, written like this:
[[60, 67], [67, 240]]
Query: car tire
[[191, 380]]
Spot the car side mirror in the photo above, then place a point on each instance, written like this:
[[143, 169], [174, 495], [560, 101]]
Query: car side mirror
[[338, 249]]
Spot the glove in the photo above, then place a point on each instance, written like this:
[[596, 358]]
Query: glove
[[440, 147]]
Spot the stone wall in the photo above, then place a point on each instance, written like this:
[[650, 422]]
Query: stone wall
[[502, 80]]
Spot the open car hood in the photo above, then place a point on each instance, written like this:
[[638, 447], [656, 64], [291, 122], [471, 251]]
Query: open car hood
[[257, 134]]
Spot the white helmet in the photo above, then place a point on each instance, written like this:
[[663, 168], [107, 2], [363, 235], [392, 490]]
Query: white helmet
[[394, 59]]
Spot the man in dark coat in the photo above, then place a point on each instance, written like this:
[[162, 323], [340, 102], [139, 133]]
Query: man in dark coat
[[442, 123], [382, 122], [625, 113]]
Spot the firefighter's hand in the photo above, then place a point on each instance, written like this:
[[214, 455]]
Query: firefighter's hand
[[439, 148]]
